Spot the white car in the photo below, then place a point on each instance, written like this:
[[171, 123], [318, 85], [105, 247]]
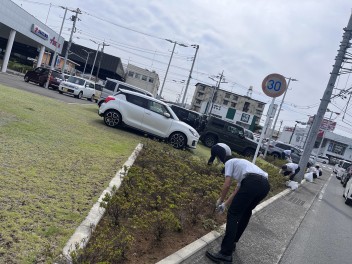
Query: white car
[[348, 192], [321, 159], [79, 87], [340, 168], [150, 115]]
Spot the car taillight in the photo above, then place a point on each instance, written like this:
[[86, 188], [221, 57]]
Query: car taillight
[[109, 98]]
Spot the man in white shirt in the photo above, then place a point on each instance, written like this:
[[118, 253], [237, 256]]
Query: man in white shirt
[[219, 151], [290, 169], [252, 187]]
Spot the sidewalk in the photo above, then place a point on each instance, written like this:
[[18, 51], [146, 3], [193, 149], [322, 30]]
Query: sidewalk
[[270, 230]]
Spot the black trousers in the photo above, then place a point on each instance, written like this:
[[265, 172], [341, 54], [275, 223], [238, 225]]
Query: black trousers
[[253, 189], [217, 151], [293, 175]]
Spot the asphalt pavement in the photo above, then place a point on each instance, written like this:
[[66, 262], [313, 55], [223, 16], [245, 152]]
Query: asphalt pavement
[[272, 232]]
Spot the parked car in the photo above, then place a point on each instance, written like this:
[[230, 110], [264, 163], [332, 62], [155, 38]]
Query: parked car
[[112, 86], [190, 117], [217, 130], [346, 176], [340, 168], [347, 194], [149, 115], [78, 87], [321, 159], [276, 149], [40, 76]]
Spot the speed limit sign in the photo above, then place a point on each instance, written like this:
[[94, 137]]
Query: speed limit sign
[[274, 85]]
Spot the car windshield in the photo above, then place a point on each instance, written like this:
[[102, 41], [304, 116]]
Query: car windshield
[[346, 165], [75, 80]]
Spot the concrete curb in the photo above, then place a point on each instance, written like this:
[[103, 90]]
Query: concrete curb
[[187, 251], [83, 232]]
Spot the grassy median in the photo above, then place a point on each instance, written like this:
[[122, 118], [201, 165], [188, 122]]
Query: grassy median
[[55, 160]]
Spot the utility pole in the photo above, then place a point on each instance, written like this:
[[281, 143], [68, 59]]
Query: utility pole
[[168, 66], [74, 19], [278, 133], [190, 75], [53, 60], [294, 129], [339, 59], [101, 58], [214, 91], [95, 58], [277, 116]]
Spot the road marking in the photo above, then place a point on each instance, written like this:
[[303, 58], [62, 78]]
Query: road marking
[[324, 188]]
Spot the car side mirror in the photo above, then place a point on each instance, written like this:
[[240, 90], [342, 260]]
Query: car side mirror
[[167, 115]]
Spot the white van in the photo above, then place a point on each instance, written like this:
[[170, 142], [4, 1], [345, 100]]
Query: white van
[[340, 168], [112, 86], [78, 87]]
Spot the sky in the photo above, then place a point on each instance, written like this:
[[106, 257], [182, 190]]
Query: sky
[[247, 40]]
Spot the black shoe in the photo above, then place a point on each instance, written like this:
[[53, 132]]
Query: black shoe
[[218, 257]]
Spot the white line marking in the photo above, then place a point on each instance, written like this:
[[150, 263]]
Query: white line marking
[[324, 188]]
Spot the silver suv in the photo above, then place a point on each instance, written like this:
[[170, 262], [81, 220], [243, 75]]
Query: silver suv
[[276, 149]]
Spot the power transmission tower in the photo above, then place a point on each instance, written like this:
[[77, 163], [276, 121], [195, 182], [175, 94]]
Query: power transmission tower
[[342, 56]]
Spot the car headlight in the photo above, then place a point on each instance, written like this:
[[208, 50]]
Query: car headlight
[[194, 133]]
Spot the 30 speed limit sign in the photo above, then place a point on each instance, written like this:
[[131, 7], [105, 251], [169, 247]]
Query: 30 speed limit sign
[[274, 85]]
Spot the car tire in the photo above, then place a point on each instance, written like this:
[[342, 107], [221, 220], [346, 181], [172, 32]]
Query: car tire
[[178, 140], [348, 201], [112, 118], [79, 95], [42, 84], [26, 79], [60, 92], [249, 152], [91, 99], [276, 155], [324, 162], [209, 140]]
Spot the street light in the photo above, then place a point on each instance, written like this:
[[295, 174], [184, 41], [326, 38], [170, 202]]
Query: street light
[[168, 66], [85, 65]]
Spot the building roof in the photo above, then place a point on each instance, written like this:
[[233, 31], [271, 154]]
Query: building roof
[[244, 96]]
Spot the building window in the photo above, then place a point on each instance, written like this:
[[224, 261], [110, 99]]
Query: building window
[[130, 73], [261, 106], [337, 148], [202, 88], [233, 104], [225, 102], [216, 107], [137, 76], [198, 101], [246, 107], [144, 78], [258, 112], [235, 97], [245, 117], [227, 95], [200, 94], [151, 80]]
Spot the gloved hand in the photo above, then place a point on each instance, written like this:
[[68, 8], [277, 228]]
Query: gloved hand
[[221, 208], [218, 202]]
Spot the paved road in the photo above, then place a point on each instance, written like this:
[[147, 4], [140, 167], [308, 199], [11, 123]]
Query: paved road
[[325, 234], [18, 83]]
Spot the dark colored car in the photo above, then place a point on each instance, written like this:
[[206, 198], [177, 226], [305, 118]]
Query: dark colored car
[[190, 117], [220, 131], [40, 76]]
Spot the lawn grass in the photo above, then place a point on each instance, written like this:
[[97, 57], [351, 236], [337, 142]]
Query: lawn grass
[[55, 160]]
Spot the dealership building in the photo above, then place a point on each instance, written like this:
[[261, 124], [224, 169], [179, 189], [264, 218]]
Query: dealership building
[[22, 36]]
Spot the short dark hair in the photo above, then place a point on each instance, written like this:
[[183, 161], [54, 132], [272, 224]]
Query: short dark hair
[[284, 167], [317, 167]]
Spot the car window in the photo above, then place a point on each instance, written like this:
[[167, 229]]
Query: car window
[[39, 70], [157, 107], [142, 102], [279, 145], [55, 74], [109, 85], [233, 130], [91, 85], [248, 134], [75, 80]]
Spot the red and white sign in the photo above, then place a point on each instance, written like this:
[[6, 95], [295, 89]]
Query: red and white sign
[[325, 124]]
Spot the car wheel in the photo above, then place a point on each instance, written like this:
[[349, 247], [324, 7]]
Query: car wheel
[[249, 152], [112, 118], [60, 92], [26, 79], [276, 155], [178, 140], [348, 201], [42, 84], [209, 140], [324, 162], [91, 99], [79, 96]]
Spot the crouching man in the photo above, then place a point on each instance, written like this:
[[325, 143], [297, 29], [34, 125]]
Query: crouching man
[[252, 187]]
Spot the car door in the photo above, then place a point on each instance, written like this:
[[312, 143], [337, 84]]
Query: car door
[[295, 156], [232, 138], [133, 110], [90, 89], [155, 122]]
